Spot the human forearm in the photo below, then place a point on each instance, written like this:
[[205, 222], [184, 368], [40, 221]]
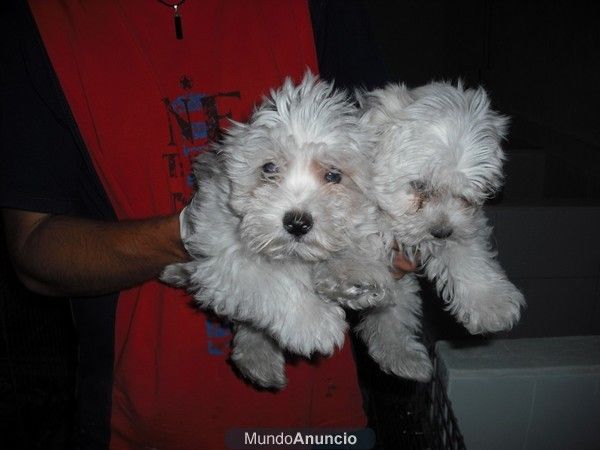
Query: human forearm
[[67, 256]]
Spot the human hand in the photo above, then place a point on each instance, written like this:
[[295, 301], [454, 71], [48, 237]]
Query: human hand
[[185, 224], [402, 265], [187, 217]]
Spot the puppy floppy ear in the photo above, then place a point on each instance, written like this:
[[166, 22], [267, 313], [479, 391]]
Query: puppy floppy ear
[[488, 130], [479, 103], [206, 165]]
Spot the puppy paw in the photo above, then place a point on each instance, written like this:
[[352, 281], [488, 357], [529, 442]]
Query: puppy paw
[[350, 293], [410, 362], [322, 332], [490, 310], [263, 366]]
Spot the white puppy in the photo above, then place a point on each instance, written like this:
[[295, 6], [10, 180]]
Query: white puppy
[[436, 160], [280, 211]]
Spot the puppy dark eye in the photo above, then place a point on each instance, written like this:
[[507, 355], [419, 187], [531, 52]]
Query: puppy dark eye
[[333, 176], [465, 201], [418, 185], [270, 168]]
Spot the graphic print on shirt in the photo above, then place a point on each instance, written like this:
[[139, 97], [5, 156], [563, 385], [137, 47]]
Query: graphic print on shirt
[[194, 122]]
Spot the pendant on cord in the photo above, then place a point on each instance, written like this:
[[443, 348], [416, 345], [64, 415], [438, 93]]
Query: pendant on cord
[[176, 17], [178, 27]]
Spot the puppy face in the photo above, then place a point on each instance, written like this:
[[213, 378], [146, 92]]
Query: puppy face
[[295, 172], [438, 157]]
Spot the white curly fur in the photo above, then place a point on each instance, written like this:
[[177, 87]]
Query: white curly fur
[[248, 266]]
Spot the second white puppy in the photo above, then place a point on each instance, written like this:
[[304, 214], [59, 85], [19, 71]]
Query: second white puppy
[[437, 158]]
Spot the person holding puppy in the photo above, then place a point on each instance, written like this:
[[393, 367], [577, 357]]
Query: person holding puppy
[[106, 105]]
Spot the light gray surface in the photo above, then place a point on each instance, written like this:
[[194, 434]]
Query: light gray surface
[[507, 357], [525, 393]]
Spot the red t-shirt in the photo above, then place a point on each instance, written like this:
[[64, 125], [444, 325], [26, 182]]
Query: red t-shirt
[[145, 104]]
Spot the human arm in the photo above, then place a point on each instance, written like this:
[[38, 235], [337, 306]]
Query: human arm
[[60, 255]]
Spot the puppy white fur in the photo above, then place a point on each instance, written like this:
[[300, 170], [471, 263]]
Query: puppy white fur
[[437, 158], [279, 226]]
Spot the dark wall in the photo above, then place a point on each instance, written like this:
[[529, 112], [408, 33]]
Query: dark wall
[[37, 365], [427, 40], [539, 60], [544, 64]]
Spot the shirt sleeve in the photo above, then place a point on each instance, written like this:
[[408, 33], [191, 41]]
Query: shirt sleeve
[[44, 166]]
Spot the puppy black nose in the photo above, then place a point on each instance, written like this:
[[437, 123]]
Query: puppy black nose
[[441, 232], [297, 223]]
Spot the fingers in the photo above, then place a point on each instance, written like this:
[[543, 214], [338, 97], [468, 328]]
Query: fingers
[[402, 265]]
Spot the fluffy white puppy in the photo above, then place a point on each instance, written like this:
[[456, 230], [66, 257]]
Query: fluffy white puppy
[[436, 160], [279, 224]]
